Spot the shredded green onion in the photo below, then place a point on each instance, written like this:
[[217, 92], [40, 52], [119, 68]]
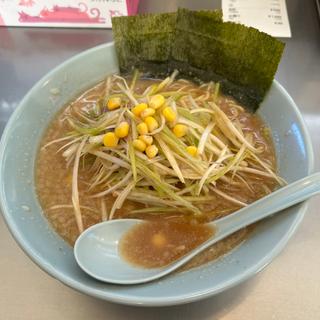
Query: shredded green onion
[[171, 179]]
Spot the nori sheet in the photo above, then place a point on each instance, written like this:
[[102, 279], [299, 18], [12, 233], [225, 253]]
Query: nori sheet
[[203, 48], [144, 38]]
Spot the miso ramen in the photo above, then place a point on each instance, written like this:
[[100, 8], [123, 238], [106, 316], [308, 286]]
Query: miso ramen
[[160, 150]]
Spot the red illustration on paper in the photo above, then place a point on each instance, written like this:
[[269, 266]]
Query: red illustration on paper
[[26, 3], [60, 14], [115, 13]]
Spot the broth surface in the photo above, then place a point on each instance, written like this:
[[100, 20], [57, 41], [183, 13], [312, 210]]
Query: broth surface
[[158, 243], [54, 181]]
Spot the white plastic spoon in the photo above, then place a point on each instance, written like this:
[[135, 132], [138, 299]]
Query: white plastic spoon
[[96, 249]]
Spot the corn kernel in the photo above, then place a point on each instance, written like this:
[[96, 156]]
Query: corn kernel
[[142, 128], [114, 103], [139, 108], [159, 240], [151, 123], [192, 150], [157, 101], [146, 139], [152, 151], [110, 139], [169, 114], [180, 130], [139, 145], [122, 129], [147, 112]]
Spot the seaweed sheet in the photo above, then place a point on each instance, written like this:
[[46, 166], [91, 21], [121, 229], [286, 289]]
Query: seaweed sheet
[[203, 48], [144, 41]]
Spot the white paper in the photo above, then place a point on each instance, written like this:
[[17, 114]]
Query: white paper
[[61, 13], [269, 16]]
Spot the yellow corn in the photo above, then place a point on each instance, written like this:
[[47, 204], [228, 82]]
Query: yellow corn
[[147, 112], [192, 150], [180, 130], [159, 240], [114, 103], [139, 108], [142, 128], [151, 123], [152, 151], [110, 139], [139, 145], [122, 129], [169, 114], [157, 101], [146, 139]]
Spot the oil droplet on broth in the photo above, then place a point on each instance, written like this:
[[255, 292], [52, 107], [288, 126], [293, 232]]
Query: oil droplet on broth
[[155, 244]]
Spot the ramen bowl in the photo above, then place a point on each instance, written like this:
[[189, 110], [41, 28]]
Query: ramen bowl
[[31, 230]]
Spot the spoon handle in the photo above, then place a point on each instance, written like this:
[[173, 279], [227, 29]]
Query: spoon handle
[[281, 199]]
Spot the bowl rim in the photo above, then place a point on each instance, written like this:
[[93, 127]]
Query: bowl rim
[[112, 297]]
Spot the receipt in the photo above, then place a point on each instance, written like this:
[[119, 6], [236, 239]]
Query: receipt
[[269, 16]]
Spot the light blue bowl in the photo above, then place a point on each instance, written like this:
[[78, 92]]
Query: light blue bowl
[[31, 230]]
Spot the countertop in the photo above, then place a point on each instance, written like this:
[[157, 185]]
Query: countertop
[[289, 288]]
